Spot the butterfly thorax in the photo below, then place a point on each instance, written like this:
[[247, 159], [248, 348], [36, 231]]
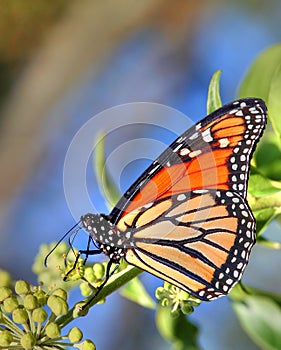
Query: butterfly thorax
[[106, 235]]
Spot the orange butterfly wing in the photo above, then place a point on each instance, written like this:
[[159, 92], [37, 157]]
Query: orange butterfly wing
[[186, 219], [213, 154], [201, 245]]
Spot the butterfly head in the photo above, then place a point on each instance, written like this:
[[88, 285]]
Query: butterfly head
[[105, 234]]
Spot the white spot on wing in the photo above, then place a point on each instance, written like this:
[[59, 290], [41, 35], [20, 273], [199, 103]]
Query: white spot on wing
[[239, 113], [224, 142], [184, 151], [206, 135], [181, 197], [194, 136], [200, 191], [177, 148], [195, 153], [198, 126]]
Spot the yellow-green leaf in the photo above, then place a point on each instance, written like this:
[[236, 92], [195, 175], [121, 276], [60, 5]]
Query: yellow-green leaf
[[214, 100]]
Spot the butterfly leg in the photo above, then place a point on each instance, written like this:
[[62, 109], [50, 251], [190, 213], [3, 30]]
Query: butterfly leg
[[108, 274], [87, 252]]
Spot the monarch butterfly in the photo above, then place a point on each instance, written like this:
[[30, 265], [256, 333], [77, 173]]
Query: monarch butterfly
[[186, 218]]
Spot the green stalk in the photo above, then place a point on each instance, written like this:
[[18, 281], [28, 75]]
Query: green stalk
[[115, 282]]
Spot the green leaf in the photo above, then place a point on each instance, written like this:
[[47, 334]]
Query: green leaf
[[268, 157], [264, 197], [214, 100], [268, 243], [261, 319], [135, 291], [105, 182], [240, 292], [264, 217], [177, 330], [260, 186], [274, 101], [257, 82]]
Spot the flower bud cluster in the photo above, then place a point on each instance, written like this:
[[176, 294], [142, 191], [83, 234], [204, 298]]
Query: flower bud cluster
[[30, 318], [177, 299], [61, 263], [93, 276]]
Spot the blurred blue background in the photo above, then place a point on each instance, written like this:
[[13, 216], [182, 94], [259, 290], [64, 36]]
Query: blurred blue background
[[63, 63]]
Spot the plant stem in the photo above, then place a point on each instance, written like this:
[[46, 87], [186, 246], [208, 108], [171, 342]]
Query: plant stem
[[116, 281]]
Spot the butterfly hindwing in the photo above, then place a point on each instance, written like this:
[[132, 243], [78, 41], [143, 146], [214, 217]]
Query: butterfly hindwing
[[202, 244]]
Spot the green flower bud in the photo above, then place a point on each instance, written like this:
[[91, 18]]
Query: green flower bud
[[57, 305], [60, 293], [52, 274], [28, 341], [52, 300], [99, 270], [20, 315], [39, 315], [89, 274], [165, 302], [77, 273], [167, 285], [41, 297], [183, 295], [87, 345], [53, 330], [75, 335], [173, 289], [11, 303], [22, 287], [186, 308], [5, 292], [6, 338], [85, 289], [30, 302], [160, 292], [194, 301], [5, 278]]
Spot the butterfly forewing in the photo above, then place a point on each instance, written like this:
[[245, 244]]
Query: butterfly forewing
[[213, 154]]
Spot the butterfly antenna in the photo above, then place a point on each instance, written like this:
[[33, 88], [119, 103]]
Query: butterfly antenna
[[63, 237], [71, 239]]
